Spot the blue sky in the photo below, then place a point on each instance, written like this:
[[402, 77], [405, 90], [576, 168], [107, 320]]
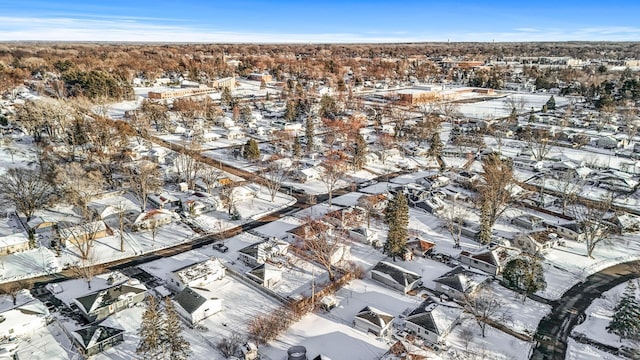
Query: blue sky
[[319, 20]]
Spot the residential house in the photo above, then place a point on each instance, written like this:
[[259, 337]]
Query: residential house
[[94, 339], [491, 261], [362, 234], [309, 174], [164, 200], [458, 282], [194, 307], [198, 274], [152, 219], [376, 202], [80, 233], [536, 241], [569, 230], [420, 247], [13, 237], [199, 203], [346, 218], [26, 317], [374, 321], [395, 277], [432, 320], [100, 304], [266, 275], [528, 221], [404, 350], [259, 253]]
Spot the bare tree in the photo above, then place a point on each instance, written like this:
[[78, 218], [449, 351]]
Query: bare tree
[[121, 209], [187, 168], [274, 175], [334, 170], [497, 188], [209, 176], [454, 221], [569, 185], [591, 217], [80, 185], [323, 243], [539, 143], [144, 180], [87, 268], [25, 189], [229, 346], [486, 308], [83, 235]]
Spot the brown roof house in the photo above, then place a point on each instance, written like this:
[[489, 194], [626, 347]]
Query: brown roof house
[[491, 261]]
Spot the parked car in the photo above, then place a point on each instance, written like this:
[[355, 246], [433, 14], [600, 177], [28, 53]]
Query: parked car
[[220, 247]]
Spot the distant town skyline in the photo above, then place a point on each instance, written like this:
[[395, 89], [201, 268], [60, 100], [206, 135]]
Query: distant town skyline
[[329, 21]]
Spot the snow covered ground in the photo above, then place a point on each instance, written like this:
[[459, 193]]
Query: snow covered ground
[[580, 351], [599, 314], [498, 108], [567, 265]]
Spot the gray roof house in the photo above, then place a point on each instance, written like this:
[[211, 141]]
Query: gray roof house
[[374, 321], [94, 339], [395, 276], [459, 282], [194, 307], [101, 304], [432, 320]]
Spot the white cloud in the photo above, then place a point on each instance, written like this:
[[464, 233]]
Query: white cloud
[[138, 29]]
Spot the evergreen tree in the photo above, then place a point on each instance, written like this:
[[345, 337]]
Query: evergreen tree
[[251, 150], [397, 217], [359, 152], [626, 317], [485, 223], [291, 111], [297, 148], [513, 116], [524, 274], [532, 116], [150, 330], [551, 103], [177, 347], [309, 133], [328, 107], [436, 146], [225, 97]]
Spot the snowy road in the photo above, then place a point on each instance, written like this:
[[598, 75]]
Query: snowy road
[[554, 329]]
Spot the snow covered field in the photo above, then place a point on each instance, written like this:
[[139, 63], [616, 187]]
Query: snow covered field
[[498, 108]]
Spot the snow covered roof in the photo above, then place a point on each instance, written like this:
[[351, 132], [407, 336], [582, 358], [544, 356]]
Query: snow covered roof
[[434, 316], [396, 273], [199, 270], [93, 335], [190, 300], [375, 316], [102, 298], [461, 280]]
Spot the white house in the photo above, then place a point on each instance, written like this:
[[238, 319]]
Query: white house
[[164, 200], [198, 274], [259, 253], [266, 275], [373, 321], [152, 219], [395, 276], [26, 317], [194, 307], [458, 282], [432, 320]]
